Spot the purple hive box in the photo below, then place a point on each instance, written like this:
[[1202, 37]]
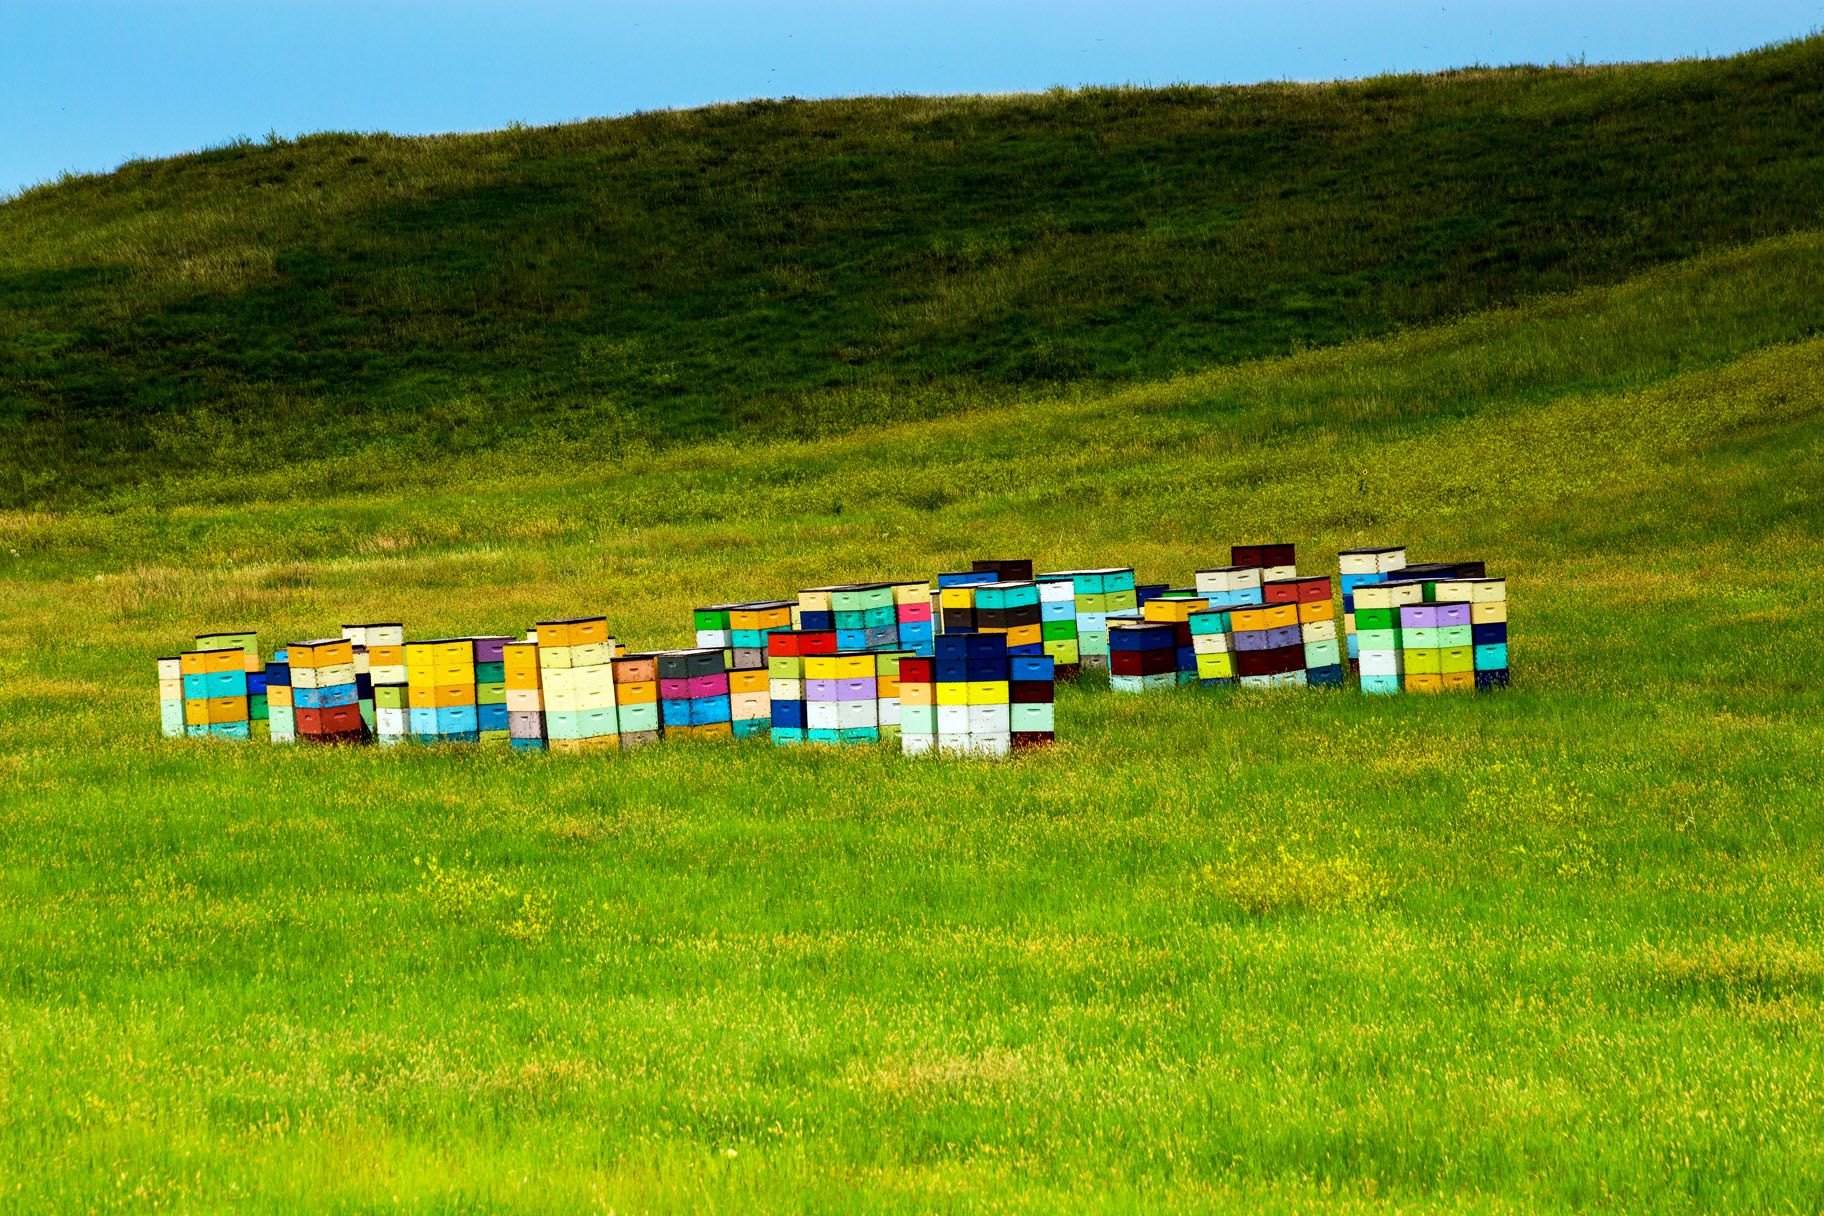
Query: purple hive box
[[491, 650]]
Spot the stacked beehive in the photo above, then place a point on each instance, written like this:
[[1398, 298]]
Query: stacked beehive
[[1058, 623], [281, 716], [212, 684], [636, 692], [1142, 655], [1099, 596], [381, 683], [1488, 630], [1231, 586], [171, 696], [1379, 658], [913, 613], [973, 697], [491, 714], [1273, 561], [249, 646], [1363, 568], [364, 639], [522, 676], [956, 598], [1468, 611], [1213, 645], [325, 703], [1433, 627], [1013, 610], [741, 630], [1268, 645], [864, 616], [693, 693], [577, 685], [1175, 608], [440, 691], [820, 694], [1312, 597]]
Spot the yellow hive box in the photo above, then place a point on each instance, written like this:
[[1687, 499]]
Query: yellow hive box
[[278, 696], [386, 656], [950, 693], [1488, 612], [814, 601], [638, 692], [838, 666], [1424, 661], [1316, 610], [227, 709], [570, 746], [1216, 666], [601, 743], [444, 696], [196, 711], [761, 618], [1263, 616], [957, 597], [1458, 681], [1025, 635], [421, 696], [1426, 682], [330, 652], [452, 673], [987, 692], [911, 593], [743, 682], [886, 686], [1171, 611], [518, 678]]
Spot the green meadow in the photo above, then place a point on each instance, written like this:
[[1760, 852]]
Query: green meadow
[[1554, 948]]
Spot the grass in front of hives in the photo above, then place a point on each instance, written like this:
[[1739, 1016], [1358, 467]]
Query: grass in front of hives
[[1548, 948]]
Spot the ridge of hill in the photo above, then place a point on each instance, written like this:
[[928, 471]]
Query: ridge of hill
[[802, 268]]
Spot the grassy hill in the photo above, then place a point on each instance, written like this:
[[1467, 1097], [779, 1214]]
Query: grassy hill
[[1554, 948], [1550, 949], [805, 267]]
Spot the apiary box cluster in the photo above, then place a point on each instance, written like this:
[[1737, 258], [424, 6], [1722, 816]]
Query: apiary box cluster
[[1175, 608], [379, 662], [820, 693], [324, 700], [1098, 597], [636, 693], [1439, 627], [741, 629], [974, 697], [693, 693], [869, 616], [576, 684], [217, 690], [1142, 655], [440, 676], [524, 680], [1358, 568]]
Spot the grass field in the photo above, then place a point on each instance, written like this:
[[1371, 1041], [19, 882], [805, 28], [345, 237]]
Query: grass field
[[1550, 949]]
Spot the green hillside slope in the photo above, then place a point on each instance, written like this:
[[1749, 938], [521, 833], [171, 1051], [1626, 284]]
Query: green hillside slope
[[1551, 949], [803, 267]]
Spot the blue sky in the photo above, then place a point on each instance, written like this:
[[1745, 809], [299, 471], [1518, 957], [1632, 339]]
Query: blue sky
[[87, 84]]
